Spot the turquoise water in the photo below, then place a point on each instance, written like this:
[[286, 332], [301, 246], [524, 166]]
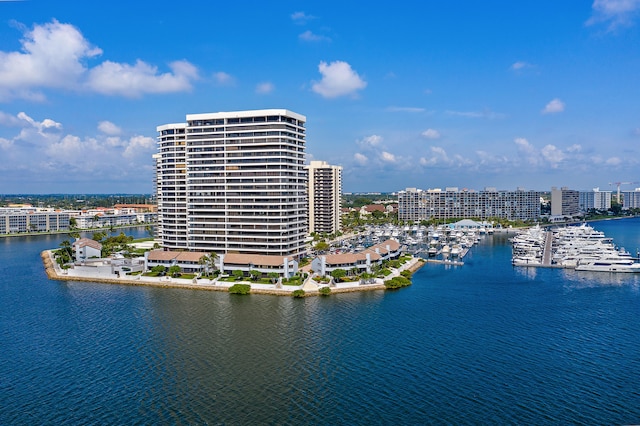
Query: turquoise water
[[483, 343]]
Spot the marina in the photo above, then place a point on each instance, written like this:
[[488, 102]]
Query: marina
[[445, 243], [573, 247]]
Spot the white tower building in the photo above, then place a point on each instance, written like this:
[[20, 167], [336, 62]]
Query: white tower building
[[237, 183]]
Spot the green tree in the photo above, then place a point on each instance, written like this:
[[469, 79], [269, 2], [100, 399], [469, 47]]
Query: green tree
[[273, 276], [237, 274], [174, 271], [255, 274], [158, 269], [321, 246], [240, 288]]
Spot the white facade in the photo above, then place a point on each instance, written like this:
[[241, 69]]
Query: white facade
[[31, 219], [631, 199], [595, 199], [417, 204], [171, 185], [325, 189], [233, 182]]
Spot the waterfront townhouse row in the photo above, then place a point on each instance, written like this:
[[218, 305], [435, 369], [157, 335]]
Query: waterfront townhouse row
[[362, 261], [284, 266]]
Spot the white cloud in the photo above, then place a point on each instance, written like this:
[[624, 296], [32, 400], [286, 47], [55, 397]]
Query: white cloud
[[516, 66], [301, 17], [405, 109], [553, 107], [575, 148], [387, 157], [309, 36], [338, 79], [5, 143], [41, 126], [139, 145], [488, 114], [108, 128], [223, 79], [431, 134], [265, 88], [361, 159], [112, 78], [43, 150], [613, 161], [524, 145], [370, 141], [615, 13], [54, 56], [553, 155], [438, 156]]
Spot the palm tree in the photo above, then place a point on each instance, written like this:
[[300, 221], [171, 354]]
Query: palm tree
[[338, 274], [209, 262]]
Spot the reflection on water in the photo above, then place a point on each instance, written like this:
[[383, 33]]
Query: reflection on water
[[482, 343]]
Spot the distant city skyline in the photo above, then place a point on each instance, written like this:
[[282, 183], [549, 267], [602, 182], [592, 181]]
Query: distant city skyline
[[432, 95]]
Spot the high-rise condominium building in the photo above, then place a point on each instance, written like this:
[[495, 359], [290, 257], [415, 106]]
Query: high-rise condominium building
[[325, 190], [417, 204], [564, 202], [233, 182]]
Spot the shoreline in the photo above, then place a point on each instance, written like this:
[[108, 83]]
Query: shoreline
[[69, 231], [310, 287]]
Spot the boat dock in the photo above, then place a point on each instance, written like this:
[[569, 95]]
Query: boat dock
[[445, 262], [573, 247], [547, 250]]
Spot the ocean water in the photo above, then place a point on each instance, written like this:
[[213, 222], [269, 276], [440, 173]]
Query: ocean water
[[484, 343]]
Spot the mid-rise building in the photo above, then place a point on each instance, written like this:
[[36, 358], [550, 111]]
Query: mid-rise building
[[631, 199], [233, 182], [325, 189], [16, 220], [595, 199], [565, 202], [417, 204]]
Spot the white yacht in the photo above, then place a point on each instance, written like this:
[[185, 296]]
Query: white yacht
[[610, 264]]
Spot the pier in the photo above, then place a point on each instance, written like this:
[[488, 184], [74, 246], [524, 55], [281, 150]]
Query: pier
[[547, 251]]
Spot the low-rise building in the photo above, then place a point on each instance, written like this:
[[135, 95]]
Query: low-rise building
[[86, 248], [363, 261]]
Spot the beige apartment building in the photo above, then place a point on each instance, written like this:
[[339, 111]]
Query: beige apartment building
[[325, 191]]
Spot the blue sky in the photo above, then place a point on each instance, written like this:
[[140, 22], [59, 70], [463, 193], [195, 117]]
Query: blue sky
[[413, 94]]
